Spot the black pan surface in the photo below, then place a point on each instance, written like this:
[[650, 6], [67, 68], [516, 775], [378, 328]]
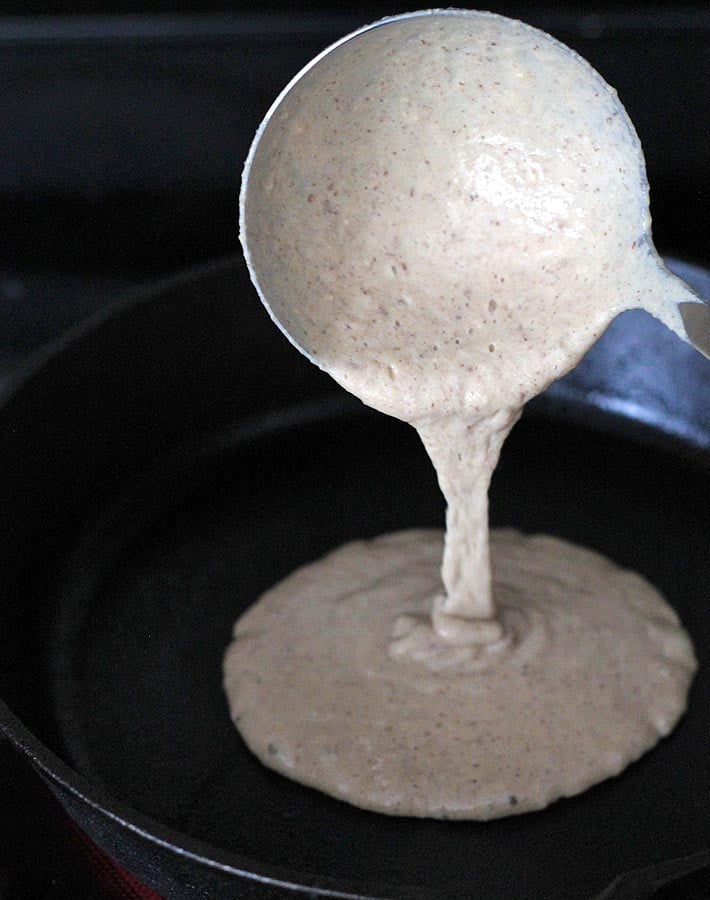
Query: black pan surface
[[149, 505]]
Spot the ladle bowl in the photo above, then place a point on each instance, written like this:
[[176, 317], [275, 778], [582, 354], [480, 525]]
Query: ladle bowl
[[371, 303]]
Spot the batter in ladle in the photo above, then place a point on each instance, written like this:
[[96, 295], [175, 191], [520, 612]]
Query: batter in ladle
[[445, 212]]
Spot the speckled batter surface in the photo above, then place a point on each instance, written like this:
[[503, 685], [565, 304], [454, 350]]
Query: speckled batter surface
[[445, 213], [448, 210], [592, 671]]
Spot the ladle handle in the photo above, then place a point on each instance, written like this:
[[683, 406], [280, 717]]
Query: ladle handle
[[696, 319]]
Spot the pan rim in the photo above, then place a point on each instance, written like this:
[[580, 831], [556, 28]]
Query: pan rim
[[16, 378], [51, 767]]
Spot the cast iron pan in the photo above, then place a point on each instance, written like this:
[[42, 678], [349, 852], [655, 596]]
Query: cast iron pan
[[166, 463]]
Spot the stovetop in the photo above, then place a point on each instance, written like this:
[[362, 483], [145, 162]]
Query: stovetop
[[123, 141]]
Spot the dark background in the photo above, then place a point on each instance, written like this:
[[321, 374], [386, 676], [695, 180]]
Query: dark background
[[124, 129], [123, 136]]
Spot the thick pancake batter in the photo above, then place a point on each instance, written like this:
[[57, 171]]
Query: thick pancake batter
[[591, 670], [455, 205]]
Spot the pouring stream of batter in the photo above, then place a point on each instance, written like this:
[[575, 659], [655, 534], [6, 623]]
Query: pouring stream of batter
[[444, 212]]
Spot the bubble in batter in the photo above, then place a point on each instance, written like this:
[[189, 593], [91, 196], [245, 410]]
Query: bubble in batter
[[445, 212]]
